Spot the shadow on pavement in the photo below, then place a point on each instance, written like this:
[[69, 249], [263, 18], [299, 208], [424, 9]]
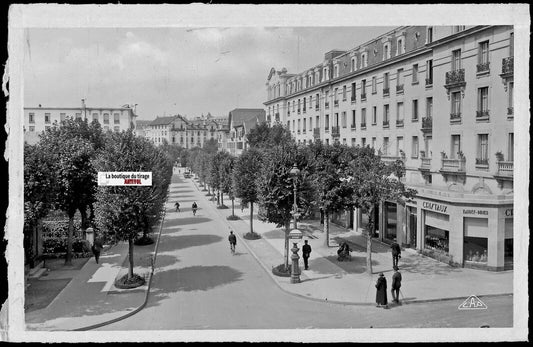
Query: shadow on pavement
[[356, 266], [170, 243], [164, 260], [189, 279], [185, 220], [426, 266], [40, 293], [274, 234]]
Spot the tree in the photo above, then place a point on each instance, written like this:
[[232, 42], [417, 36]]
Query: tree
[[227, 187], [128, 211], [373, 182], [217, 173], [276, 188], [38, 189], [245, 174], [211, 146], [265, 136], [330, 178]]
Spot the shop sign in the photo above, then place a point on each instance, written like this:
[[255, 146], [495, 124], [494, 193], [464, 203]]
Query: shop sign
[[434, 207], [476, 212], [509, 212]]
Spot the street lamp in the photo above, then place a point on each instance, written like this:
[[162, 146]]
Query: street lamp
[[295, 234]]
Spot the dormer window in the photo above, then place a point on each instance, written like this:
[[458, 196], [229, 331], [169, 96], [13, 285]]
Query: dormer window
[[429, 36], [364, 60], [336, 71], [354, 64], [386, 51], [401, 46]]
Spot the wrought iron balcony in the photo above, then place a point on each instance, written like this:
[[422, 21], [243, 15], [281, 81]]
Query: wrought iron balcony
[[455, 78], [455, 117], [483, 67], [427, 124], [507, 66], [335, 131], [399, 123], [385, 123], [482, 115], [399, 89], [429, 81], [316, 133], [386, 91], [482, 162]]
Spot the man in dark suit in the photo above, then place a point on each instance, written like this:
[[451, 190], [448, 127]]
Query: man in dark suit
[[396, 253], [396, 284], [97, 248], [306, 251]]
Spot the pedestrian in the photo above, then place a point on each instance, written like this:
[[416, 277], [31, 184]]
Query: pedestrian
[[232, 242], [396, 284], [194, 208], [97, 248], [177, 204], [381, 291], [306, 252], [396, 253]]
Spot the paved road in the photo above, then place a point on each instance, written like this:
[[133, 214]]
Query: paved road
[[198, 284]]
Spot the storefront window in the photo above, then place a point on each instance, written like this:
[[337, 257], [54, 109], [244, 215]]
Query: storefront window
[[437, 239], [412, 220], [391, 218], [508, 253], [475, 249]]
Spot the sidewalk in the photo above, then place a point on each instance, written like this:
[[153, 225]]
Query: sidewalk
[[424, 279], [90, 297]]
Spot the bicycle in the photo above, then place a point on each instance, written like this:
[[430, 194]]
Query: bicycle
[[194, 211]]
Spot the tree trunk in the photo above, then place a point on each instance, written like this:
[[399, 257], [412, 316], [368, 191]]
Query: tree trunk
[[222, 198], [84, 220], [68, 257], [251, 217], [130, 256], [370, 233], [286, 251], [326, 226], [233, 207]]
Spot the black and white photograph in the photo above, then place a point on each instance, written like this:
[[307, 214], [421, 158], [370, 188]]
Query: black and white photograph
[[267, 173]]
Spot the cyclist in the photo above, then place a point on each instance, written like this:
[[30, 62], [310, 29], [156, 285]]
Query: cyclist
[[232, 242], [194, 208]]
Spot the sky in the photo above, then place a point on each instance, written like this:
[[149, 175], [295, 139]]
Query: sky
[[168, 71]]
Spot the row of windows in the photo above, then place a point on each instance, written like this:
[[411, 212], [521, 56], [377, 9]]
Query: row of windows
[[31, 128], [63, 117]]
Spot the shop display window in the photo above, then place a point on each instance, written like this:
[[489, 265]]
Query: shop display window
[[436, 239], [508, 249], [390, 220], [475, 249]]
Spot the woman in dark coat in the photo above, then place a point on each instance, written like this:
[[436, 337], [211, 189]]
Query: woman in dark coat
[[381, 290]]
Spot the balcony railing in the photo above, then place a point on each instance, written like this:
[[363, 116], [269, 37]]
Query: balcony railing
[[363, 125], [385, 123], [352, 126], [399, 88], [316, 133], [505, 168], [429, 81], [335, 131], [455, 78], [482, 115], [386, 91], [326, 104], [336, 103], [453, 165], [425, 163], [427, 124], [399, 123], [482, 162], [483, 67], [352, 99], [508, 66], [455, 117], [363, 96]]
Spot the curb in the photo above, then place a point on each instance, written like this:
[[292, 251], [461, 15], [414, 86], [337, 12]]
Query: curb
[[129, 314]]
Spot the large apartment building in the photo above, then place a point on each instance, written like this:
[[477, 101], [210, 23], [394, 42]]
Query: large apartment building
[[38, 119], [439, 98]]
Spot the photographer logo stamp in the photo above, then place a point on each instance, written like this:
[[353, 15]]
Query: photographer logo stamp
[[473, 303]]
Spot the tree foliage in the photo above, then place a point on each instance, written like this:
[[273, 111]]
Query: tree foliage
[[245, 174], [265, 136]]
